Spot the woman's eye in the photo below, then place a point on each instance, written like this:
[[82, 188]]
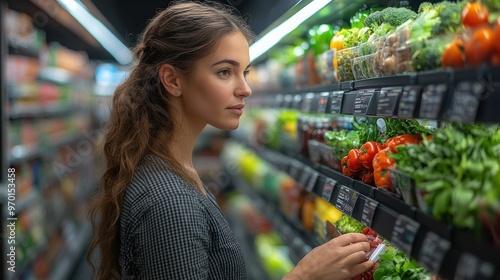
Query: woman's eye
[[223, 73], [245, 73]]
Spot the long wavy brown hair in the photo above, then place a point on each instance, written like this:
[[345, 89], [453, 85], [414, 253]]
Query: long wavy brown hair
[[140, 123]]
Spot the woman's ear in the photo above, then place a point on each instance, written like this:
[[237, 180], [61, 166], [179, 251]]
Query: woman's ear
[[169, 77]]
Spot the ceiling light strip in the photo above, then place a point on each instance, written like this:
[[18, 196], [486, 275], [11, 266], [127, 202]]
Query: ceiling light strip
[[270, 39], [100, 32]]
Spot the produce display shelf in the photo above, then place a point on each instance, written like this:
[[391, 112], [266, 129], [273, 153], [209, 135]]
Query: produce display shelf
[[467, 95], [16, 48], [439, 247], [22, 154], [40, 113], [27, 201], [32, 256], [290, 230]]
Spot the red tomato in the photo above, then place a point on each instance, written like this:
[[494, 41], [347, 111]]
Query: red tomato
[[479, 47], [353, 161], [367, 177], [404, 139], [366, 153], [453, 55], [496, 36], [495, 59], [475, 14], [344, 168]]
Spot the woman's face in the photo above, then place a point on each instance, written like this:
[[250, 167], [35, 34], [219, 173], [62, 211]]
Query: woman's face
[[215, 90]]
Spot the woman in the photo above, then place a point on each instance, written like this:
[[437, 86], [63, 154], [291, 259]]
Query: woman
[[155, 218]]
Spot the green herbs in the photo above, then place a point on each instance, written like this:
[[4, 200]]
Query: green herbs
[[342, 141], [460, 170], [395, 265]]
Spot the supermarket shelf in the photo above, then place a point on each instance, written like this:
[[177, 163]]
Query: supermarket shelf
[[55, 75], [41, 112], [290, 230], [469, 95], [20, 154], [27, 201], [455, 253], [17, 48], [32, 256]]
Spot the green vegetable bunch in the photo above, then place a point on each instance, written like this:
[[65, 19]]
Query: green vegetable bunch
[[347, 224], [395, 265], [437, 22], [395, 127], [460, 170], [367, 129], [343, 141], [391, 16]]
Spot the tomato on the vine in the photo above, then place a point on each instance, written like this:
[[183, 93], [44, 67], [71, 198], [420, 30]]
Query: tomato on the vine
[[366, 153], [353, 161], [480, 46], [453, 55], [475, 14]]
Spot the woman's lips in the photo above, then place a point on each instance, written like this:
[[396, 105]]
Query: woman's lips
[[237, 109]]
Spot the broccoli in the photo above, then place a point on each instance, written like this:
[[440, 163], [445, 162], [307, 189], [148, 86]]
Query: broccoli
[[391, 15], [450, 15], [422, 26], [397, 16], [425, 7], [429, 54], [374, 20]]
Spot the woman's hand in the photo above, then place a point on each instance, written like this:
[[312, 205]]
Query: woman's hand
[[338, 259]]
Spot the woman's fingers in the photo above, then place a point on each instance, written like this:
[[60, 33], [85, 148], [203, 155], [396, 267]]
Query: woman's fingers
[[355, 258], [360, 268], [349, 238], [355, 247]]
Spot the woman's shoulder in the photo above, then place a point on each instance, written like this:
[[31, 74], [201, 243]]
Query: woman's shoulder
[[153, 177]]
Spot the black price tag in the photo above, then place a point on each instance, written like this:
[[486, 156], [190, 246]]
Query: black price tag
[[307, 103], [295, 170], [304, 176], [288, 101], [432, 99], [322, 102], [368, 211], [388, 98], [363, 101], [313, 178], [297, 102], [328, 187], [403, 233], [469, 267], [336, 102], [408, 101], [432, 252], [465, 102], [346, 200]]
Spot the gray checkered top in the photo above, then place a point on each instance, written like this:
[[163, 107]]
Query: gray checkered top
[[169, 230]]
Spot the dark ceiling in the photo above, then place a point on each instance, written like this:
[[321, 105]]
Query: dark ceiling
[[127, 18]]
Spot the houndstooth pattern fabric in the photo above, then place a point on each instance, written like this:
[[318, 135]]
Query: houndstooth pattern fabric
[[169, 230]]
